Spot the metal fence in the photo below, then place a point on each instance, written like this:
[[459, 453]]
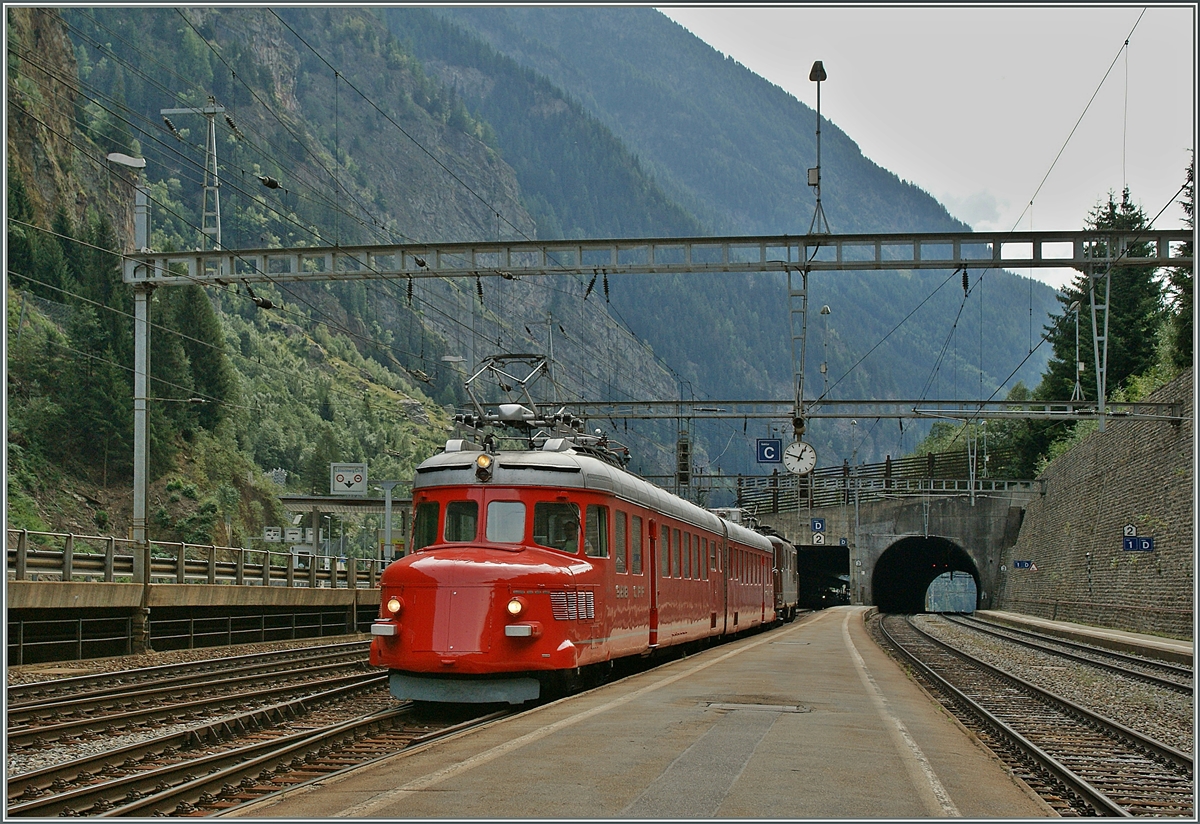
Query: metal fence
[[58, 556], [940, 474]]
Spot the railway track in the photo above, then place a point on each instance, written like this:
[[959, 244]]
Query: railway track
[[1159, 673], [1081, 763], [243, 747]]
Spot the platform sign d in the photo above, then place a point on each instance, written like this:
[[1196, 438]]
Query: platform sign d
[[817, 524], [348, 479], [770, 450]]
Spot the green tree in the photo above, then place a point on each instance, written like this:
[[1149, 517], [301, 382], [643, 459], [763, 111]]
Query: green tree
[[1180, 284], [203, 341], [1135, 314]]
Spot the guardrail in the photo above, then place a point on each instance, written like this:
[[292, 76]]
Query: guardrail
[[58, 556], [785, 493]]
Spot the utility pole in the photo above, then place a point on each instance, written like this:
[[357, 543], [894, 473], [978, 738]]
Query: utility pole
[[210, 224]]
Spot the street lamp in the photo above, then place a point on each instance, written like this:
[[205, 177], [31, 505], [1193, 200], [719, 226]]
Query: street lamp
[[825, 341], [1077, 393]]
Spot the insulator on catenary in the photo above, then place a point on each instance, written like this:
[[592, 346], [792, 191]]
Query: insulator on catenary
[[606, 287], [479, 289], [410, 291], [966, 282], [591, 285], [269, 182]]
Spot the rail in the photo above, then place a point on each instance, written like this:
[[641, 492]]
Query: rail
[[57, 556]]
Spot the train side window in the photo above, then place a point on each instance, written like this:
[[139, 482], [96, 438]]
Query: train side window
[[704, 555], [665, 543], [713, 560], [425, 525], [696, 556], [505, 522], [461, 520], [621, 537], [635, 560], [595, 526], [675, 547], [687, 555], [556, 525]]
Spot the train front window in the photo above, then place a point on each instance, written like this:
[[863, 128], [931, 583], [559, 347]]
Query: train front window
[[462, 517], [425, 524], [505, 522], [556, 525]]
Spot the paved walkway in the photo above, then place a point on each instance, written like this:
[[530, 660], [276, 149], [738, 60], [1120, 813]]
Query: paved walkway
[[809, 721]]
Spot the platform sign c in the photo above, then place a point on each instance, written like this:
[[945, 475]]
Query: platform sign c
[[770, 450]]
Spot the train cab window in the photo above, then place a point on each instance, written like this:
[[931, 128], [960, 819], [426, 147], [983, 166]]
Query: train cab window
[[556, 525], [425, 525], [461, 519], [664, 569], [621, 538], [635, 545], [595, 532], [675, 547], [505, 522]]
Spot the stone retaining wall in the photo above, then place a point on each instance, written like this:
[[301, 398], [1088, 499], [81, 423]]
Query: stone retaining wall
[[1139, 473]]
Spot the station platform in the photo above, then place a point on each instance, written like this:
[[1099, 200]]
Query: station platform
[[808, 721], [1150, 646]]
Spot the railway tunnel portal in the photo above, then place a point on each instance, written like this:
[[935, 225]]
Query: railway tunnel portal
[[889, 551]]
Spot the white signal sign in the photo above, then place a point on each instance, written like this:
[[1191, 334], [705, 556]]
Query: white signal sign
[[818, 539], [348, 479], [272, 534]]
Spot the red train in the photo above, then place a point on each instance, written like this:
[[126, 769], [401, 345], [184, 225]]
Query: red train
[[530, 570]]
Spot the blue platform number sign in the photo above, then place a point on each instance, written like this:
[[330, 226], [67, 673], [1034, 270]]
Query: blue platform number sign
[[817, 524], [1022, 564], [843, 542], [770, 450], [1138, 544]]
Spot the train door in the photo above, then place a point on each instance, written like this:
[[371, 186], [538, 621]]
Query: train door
[[652, 569]]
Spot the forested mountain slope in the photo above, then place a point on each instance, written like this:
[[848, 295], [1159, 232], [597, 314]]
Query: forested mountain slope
[[350, 125]]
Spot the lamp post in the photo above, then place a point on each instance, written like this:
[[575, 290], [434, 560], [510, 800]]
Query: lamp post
[[1077, 393], [854, 542], [817, 74], [141, 373], [825, 342]]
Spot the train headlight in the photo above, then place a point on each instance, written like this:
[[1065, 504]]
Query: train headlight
[[483, 467], [394, 605], [515, 607]]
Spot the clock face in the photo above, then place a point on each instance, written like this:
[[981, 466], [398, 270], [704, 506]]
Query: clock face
[[800, 458]]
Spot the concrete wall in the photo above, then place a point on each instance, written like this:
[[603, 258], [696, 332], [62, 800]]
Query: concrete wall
[[1139, 473], [982, 530]]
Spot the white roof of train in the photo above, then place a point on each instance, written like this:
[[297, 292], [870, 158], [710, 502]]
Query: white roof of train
[[558, 465]]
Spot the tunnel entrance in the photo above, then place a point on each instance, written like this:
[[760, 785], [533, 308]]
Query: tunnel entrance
[[824, 575], [903, 573]]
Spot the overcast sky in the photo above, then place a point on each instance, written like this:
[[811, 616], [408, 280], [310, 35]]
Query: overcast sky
[[973, 104]]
